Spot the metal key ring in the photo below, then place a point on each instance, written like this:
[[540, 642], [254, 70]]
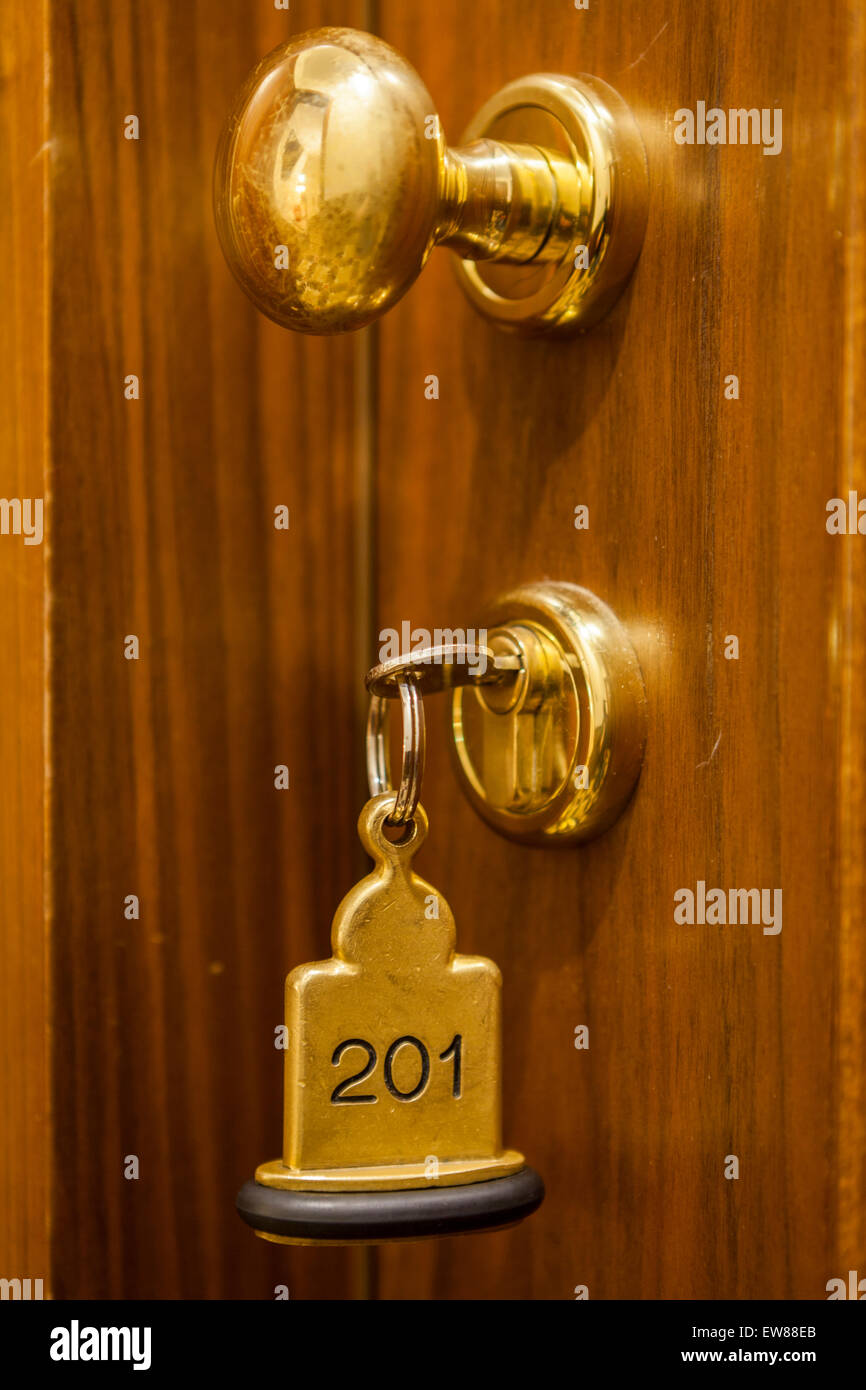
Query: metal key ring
[[414, 747]]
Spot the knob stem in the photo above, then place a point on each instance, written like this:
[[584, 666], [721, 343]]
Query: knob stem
[[508, 203]]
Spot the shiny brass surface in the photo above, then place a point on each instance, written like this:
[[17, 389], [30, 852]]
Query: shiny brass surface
[[554, 757], [392, 1073], [586, 128], [389, 1177], [333, 183]]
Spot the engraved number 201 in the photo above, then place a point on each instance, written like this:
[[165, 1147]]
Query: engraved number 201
[[454, 1051]]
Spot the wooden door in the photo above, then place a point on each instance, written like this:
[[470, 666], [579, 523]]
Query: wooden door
[[153, 776], [706, 519], [152, 1035]]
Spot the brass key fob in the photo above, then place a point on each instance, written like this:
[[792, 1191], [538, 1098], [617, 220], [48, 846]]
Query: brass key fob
[[393, 1073]]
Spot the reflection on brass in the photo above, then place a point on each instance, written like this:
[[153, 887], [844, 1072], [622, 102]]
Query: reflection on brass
[[598, 229], [392, 1074], [333, 183], [554, 757]]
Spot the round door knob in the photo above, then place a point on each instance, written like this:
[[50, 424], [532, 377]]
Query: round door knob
[[333, 183]]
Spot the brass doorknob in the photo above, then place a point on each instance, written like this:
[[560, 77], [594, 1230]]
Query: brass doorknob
[[333, 183]]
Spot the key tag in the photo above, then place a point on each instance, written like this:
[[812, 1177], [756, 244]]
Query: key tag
[[392, 1127]]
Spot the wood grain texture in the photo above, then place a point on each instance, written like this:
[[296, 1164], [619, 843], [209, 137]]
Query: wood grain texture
[[155, 1037], [162, 769], [24, 999], [851, 1090], [707, 518]]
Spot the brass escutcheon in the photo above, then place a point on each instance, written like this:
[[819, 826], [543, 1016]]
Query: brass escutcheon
[[552, 757]]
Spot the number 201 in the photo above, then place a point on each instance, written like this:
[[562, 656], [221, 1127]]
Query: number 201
[[454, 1051]]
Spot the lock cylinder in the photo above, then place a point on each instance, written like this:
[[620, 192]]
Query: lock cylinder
[[553, 757]]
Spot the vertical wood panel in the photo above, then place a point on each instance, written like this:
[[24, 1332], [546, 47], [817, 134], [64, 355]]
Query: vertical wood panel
[[706, 518], [851, 1090], [24, 1119], [162, 770]]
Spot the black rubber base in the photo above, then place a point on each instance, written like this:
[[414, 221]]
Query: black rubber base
[[409, 1214]]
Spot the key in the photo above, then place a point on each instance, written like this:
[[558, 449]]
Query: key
[[435, 669]]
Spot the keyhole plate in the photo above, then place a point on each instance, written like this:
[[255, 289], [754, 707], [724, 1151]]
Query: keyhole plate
[[556, 762]]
